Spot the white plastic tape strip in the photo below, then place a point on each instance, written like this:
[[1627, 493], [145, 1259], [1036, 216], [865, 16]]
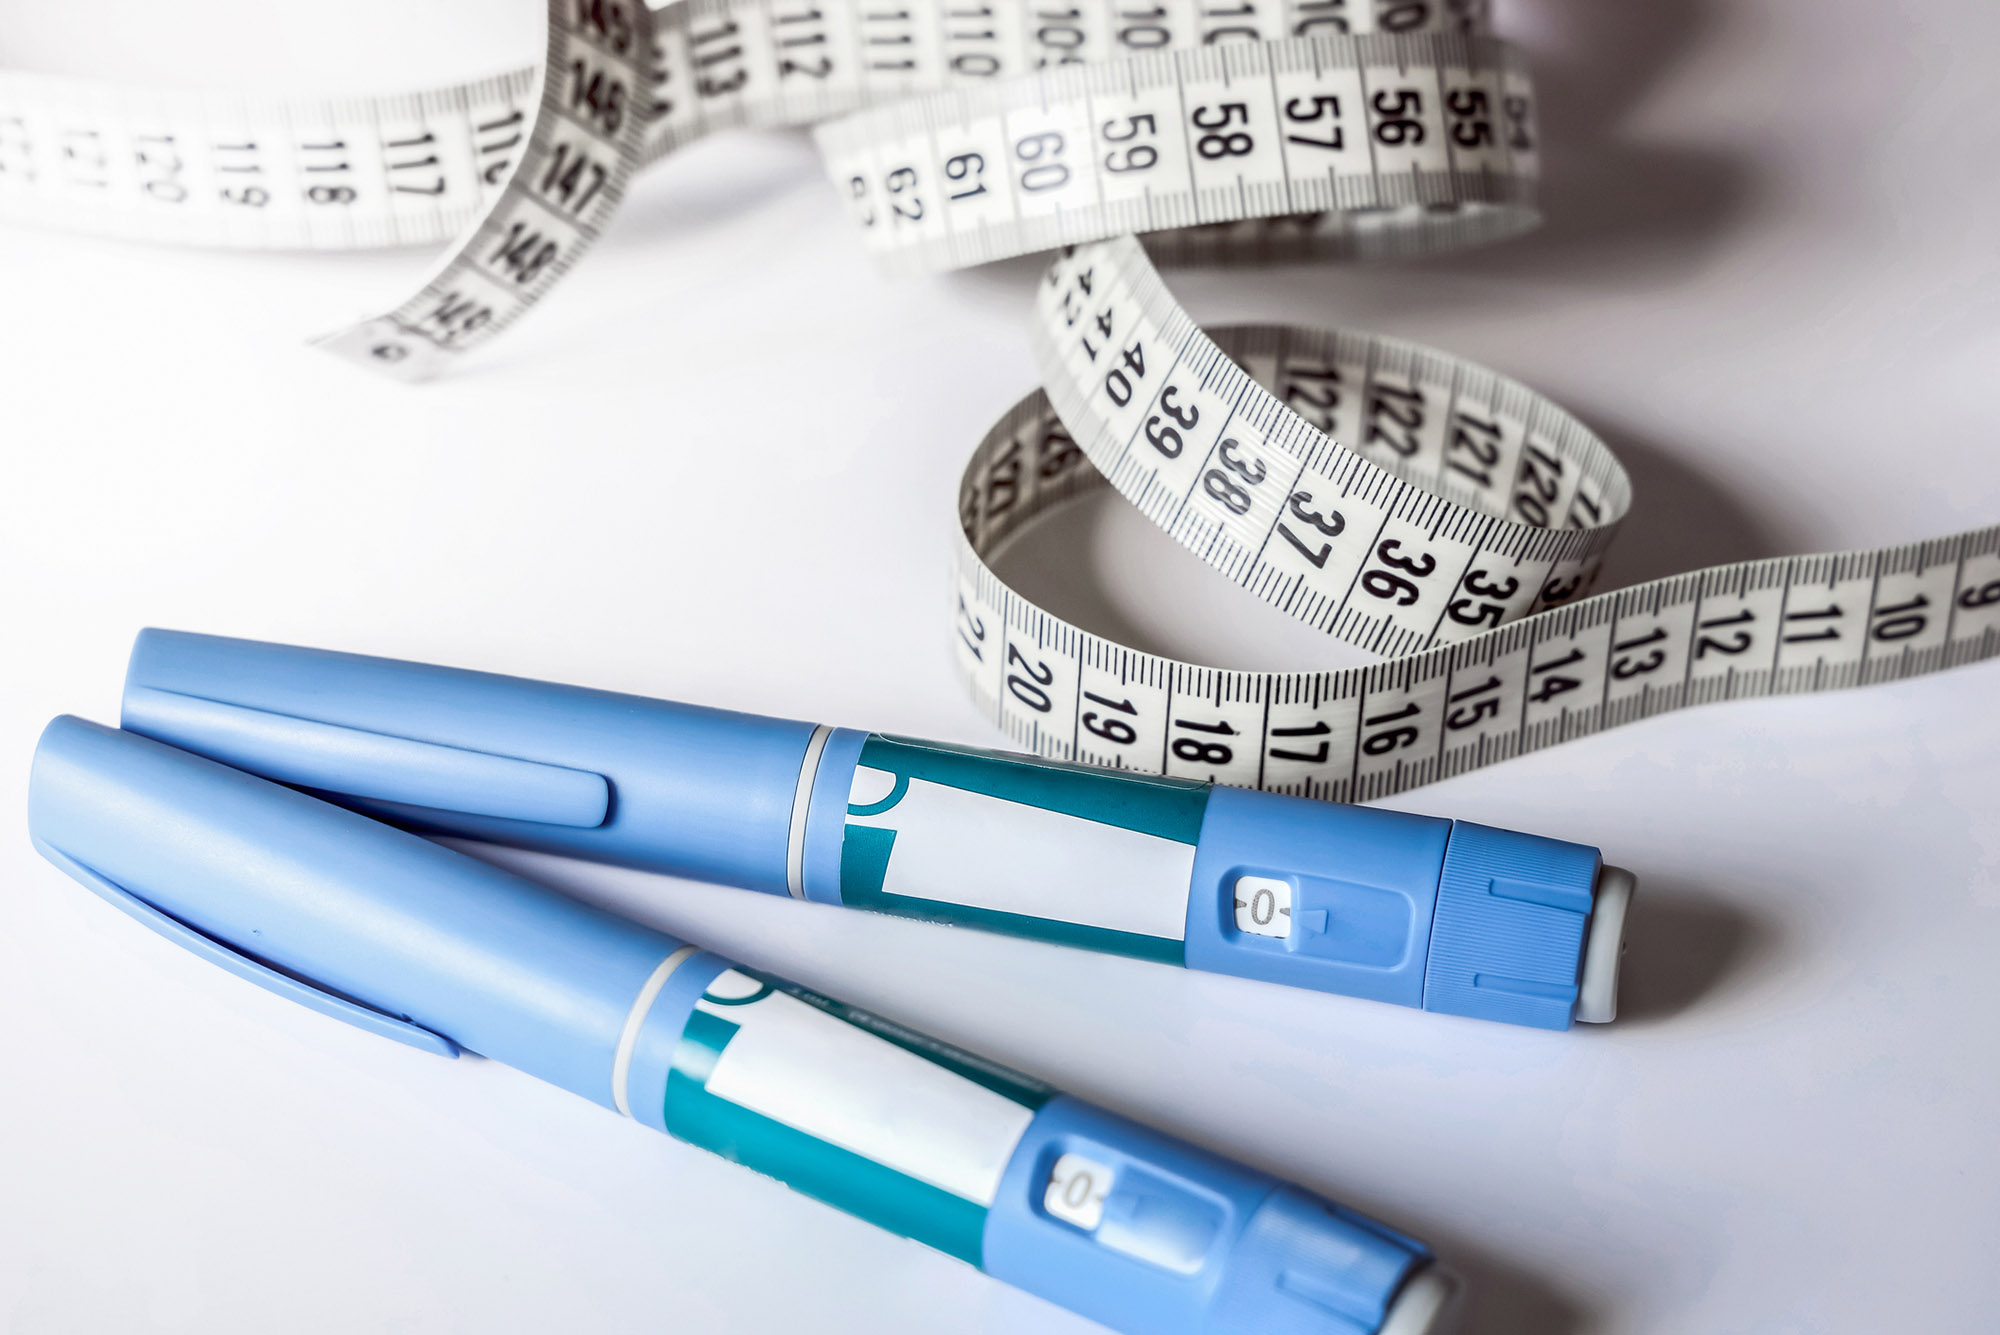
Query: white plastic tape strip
[[1457, 541], [537, 177], [331, 174], [1455, 501], [1371, 145], [583, 144]]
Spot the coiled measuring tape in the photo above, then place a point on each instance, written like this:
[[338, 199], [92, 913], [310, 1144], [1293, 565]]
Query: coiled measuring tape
[[1458, 538], [1455, 527], [537, 176]]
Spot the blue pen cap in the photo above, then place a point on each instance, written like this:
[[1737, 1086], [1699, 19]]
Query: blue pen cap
[[341, 913], [703, 793]]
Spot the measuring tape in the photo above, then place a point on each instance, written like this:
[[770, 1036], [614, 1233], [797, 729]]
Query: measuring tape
[[1349, 146], [1455, 527], [536, 176], [1457, 539]]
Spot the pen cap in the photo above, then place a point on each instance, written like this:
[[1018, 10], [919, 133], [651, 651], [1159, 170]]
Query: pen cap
[[345, 914], [702, 793]]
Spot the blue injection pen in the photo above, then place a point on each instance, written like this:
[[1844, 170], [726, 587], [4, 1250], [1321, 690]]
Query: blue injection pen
[[423, 944], [1445, 915]]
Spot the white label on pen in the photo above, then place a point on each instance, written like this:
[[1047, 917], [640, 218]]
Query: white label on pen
[[1009, 843], [839, 1083]]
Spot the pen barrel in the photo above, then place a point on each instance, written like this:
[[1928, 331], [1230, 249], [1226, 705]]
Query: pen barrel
[[1442, 915], [1451, 917], [1111, 1219], [708, 794]]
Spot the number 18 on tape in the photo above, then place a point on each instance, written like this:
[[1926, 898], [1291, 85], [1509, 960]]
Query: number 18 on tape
[[1443, 915]]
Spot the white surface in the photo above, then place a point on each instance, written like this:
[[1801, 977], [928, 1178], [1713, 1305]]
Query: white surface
[[1770, 268]]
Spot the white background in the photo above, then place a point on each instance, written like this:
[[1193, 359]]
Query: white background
[[719, 465]]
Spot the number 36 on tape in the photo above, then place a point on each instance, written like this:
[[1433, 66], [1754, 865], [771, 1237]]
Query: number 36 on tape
[[1458, 537]]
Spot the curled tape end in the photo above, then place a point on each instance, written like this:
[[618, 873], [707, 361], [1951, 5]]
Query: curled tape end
[[386, 349]]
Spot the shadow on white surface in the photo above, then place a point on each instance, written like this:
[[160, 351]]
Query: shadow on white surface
[[1687, 948], [1682, 519], [1613, 199], [692, 191], [1500, 1298]]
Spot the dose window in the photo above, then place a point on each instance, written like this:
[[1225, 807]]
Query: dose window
[[1263, 906], [1076, 1191]]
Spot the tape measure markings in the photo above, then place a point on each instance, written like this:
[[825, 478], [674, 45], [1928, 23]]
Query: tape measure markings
[[417, 167], [256, 172], [1756, 628], [538, 177], [1398, 143], [585, 140], [1372, 564]]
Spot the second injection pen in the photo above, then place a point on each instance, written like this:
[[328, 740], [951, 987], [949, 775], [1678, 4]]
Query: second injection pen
[[415, 941]]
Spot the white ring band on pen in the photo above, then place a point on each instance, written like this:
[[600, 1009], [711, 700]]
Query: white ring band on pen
[[795, 843], [635, 1020]]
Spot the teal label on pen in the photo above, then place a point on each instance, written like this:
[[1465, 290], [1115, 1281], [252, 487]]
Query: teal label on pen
[[896, 1128], [1066, 853]]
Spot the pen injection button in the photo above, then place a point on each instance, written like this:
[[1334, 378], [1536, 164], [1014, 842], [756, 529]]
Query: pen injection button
[[1604, 947]]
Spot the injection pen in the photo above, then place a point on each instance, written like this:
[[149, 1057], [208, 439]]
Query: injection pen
[[1444, 915], [418, 942]]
